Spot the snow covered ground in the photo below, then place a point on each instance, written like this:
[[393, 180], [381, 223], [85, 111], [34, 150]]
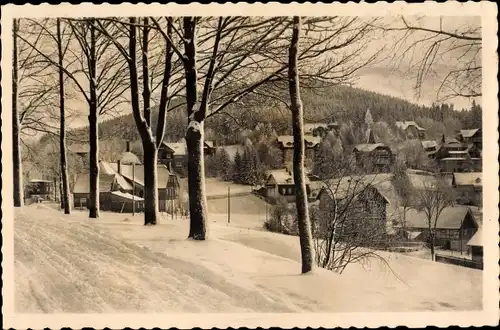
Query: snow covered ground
[[115, 264]]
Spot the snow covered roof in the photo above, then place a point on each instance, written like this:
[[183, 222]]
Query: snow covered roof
[[138, 177], [210, 144], [451, 218], [82, 184], [477, 239], [405, 124], [129, 158], [127, 196], [286, 141], [429, 144], [40, 181], [179, 148], [282, 177], [384, 185], [348, 186], [310, 127], [466, 179], [369, 147], [467, 133]]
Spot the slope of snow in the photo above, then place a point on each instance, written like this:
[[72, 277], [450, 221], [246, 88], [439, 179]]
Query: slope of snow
[[114, 264]]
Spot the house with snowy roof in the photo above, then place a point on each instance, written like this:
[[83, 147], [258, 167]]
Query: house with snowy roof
[[469, 188], [285, 143], [110, 182], [430, 148], [357, 204], [455, 227], [281, 184], [174, 155], [472, 136], [320, 129], [121, 183], [455, 156], [411, 129], [372, 156]]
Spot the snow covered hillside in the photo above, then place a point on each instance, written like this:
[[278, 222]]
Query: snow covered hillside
[[115, 264]]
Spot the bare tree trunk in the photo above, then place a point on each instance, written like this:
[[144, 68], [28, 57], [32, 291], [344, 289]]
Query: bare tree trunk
[[62, 125], [194, 139], [93, 131], [432, 245], [16, 127], [306, 244], [151, 211]]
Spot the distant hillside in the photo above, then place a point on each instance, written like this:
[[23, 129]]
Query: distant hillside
[[340, 103]]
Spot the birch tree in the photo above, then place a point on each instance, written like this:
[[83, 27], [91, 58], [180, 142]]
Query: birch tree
[[304, 224]]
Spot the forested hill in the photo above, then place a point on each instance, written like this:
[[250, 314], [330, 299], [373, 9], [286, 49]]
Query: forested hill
[[341, 103]]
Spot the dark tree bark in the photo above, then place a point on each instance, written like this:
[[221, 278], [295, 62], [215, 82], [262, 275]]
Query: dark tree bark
[[62, 125], [151, 210], [94, 204], [304, 224], [16, 127], [194, 137]]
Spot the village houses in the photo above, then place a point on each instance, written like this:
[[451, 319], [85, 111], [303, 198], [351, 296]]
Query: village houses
[[121, 184]]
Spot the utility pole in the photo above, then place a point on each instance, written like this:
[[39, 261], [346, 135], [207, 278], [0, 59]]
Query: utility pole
[[228, 204], [133, 188], [266, 212]]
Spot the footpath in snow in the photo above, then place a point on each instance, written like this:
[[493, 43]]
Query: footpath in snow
[[115, 264]]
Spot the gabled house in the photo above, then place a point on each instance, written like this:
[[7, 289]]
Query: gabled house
[[174, 155], [454, 228], [373, 156], [430, 148], [109, 181], [455, 156], [285, 143], [472, 136], [469, 188], [356, 202], [167, 182], [411, 129], [280, 184]]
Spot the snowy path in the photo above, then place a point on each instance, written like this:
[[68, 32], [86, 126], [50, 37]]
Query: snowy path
[[78, 265]]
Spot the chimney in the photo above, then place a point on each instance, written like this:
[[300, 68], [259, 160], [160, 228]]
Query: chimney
[[119, 166], [128, 146]]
